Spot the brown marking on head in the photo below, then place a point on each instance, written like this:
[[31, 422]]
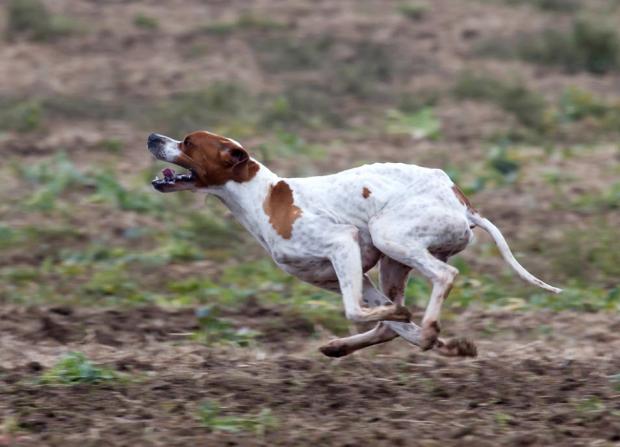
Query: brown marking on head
[[462, 198], [366, 192], [435, 326], [215, 160], [278, 205]]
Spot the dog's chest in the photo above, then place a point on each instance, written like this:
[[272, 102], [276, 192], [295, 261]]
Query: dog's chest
[[319, 269]]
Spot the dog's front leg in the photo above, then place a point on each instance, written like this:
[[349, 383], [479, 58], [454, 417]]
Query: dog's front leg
[[346, 259]]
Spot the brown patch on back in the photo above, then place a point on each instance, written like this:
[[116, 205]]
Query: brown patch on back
[[462, 198], [366, 192], [278, 205]]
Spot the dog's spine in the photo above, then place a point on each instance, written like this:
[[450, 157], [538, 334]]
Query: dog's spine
[[497, 236]]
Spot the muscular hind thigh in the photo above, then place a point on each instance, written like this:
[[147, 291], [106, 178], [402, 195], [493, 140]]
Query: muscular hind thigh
[[442, 232]]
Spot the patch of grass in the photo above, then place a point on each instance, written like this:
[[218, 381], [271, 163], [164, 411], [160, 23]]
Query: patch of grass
[[52, 177], [74, 368], [597, 203], [109, 189], [207, 230], [514, 97], [420, 125], [111, 145], [245, 22], [413, 10], [289, 145], [566, 6], [79, 107], [214, 329], [577, 105], [59, 174], [278, 54], [260, 423], [589, 45], [32, 19], [302, 105], [203, 109], [584, 255], [412, 102], [615, 380], [21, 116], [366, 73], [146, 22]]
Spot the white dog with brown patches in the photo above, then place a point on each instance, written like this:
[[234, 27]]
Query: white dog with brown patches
[[331, 230]]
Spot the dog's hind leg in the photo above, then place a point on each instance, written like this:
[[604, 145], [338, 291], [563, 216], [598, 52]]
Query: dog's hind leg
[[393, 278], [381, 333], [409, 252]]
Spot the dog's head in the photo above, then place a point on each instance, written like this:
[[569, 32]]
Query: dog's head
[[212, 160]]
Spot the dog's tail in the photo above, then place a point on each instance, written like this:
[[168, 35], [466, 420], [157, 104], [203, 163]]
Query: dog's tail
[[497, 236]]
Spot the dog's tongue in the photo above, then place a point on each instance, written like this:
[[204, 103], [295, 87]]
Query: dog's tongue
[[168, 173]]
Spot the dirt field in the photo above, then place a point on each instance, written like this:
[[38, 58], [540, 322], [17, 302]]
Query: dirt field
[[527, 387], [518, 100]]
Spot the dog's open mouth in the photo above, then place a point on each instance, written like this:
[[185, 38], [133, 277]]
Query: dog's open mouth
[[171, 179]]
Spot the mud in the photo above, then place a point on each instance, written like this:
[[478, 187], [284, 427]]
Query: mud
[[539, 379]]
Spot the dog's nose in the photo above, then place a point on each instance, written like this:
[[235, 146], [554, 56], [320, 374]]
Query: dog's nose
[[155, 139]]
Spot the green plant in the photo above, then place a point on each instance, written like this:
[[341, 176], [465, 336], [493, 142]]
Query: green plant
[[584, 254], [185, 112], [32, 19], [109, 189], [292, 54], [74, 368], [21, 116], [615, 380], [217, 330], [301, 105], [550, 5], [245, 22], [599, 202], [111, 145], [260, 423], [145, 22], [590, 45], [207, 230], [420, 124], [413, 10], [289, 145], [52, 177], [412, 102], [514, 97]]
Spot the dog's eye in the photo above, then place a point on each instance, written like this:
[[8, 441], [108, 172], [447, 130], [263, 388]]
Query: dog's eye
[[187, 142]]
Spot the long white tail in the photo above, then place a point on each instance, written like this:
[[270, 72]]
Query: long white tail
[[497, 236]]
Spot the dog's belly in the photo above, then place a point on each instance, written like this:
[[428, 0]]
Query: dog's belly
[[319, 271]]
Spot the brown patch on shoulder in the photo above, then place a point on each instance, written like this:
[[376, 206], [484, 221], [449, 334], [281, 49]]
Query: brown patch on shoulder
[[366, 192], [462, 198], [278, 205]]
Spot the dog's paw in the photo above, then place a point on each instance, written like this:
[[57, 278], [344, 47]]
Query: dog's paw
[[457, 347], [334, 350], [430, 336]]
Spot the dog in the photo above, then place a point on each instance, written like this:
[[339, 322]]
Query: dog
[[331, 230]]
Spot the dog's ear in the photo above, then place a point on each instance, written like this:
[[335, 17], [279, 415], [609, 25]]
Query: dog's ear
[[234, 156]]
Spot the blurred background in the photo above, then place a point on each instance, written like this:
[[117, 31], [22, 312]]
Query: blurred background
[[102, 280]]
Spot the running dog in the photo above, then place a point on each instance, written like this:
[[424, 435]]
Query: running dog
[[331, 230]]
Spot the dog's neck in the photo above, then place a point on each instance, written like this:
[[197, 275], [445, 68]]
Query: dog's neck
[[245, 199]]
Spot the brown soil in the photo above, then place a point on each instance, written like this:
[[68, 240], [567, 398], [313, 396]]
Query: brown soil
[[540, 379]]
